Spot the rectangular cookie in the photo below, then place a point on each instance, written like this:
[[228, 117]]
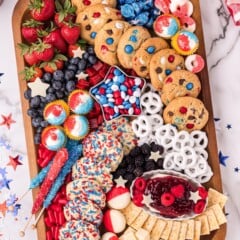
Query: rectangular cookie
[[150, 222], [167, 230], [215, 197], [218, 212], [174, 235], [183, 231], [131, 212], [204, 224], [197, 230], [212, 220], [190, 229], [139, 221], [158, 229]]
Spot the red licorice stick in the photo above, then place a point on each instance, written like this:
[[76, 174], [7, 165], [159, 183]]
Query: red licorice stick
[[58, 161], [49, 235]]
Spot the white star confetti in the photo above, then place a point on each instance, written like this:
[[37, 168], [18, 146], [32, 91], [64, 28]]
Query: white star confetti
[[78, 52], [120, 182], [81, 75], [38, 87], [195, 196], [155, 156]]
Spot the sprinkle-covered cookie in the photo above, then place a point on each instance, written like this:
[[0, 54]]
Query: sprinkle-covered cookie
[[130, 41], [107, 39], [83, 209], [79, 229], [86, 188], [143, 55], [180, 83], [187, 113], [82, 4], [162, 64], [93, 18]]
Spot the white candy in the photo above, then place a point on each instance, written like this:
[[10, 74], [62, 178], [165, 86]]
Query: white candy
[[111, 100], [200, 138], [137, 93], [151, 103], [132, 99], [130, 111], [109, 95], [142, 126], [116, 109], [123, 94], [115, 87], [137, 81]]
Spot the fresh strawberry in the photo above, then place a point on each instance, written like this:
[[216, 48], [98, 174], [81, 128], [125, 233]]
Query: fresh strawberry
[[81, 43], [140, 184], [65, 13], [54, 37], [178, 191], [29, 54], [42, 10], [56, 63], [203, 193], [30, 29], [137, 200], [199, 206], [70, 33], [167, 199], [31, 73], [44, 51]]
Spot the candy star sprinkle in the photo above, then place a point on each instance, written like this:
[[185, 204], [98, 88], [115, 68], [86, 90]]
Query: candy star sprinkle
[[7, 120], [14, 162], [120, 182], [3, 208], [194, 196], [81, 75], [155, 156], [78, 52], [38, 87]]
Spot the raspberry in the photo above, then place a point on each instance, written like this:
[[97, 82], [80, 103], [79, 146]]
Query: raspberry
[[203, 193], [137, 200], [199, 206], [140, 184], [178, 191], [167, 199]]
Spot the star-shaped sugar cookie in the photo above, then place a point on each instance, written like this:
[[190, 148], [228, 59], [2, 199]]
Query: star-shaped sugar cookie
[[38, 87]]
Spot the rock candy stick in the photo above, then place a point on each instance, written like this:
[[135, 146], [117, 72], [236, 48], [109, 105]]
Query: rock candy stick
[[58, 162]]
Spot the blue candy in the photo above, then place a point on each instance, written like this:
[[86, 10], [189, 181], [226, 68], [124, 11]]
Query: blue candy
[[168, 71], [109, 41], [103, 99], [189, 86], [137, 8], [121, 78], [94, 91], [133, 38], [109, 91], [137, 101], [117, 72], [128, 49], [123, 88], [151, 49], [142, 18], [93, 35]]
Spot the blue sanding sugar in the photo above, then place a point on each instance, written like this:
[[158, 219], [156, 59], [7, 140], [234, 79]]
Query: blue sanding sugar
[[127, 11]]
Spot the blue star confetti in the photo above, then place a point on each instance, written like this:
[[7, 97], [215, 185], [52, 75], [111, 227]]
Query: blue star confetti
[[1, 74], [229, 126], [222, 158], [5, 183], [236, 169], [3, 172], [12, 206], [217, 119]]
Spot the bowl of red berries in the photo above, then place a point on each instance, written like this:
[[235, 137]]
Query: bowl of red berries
[[169, 195]]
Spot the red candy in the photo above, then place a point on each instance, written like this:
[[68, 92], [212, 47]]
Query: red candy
[[96, 14], [183, 110], [171, 58], [119, 101], [169, 80], [190, 125]]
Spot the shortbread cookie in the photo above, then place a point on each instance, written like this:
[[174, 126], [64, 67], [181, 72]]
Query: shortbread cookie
[[141, 59], [129, 43], [186, 113], [82, 4], [93, 18], [162, 64], [180, 83], [107, 39]]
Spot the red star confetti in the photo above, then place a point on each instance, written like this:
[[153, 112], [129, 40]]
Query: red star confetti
[[3, 208], [7, 120], [14, 162]]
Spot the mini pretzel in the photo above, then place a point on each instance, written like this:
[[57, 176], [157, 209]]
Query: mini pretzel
[[142, 126], [151, 103], [202, 152], [181, 140], [168, 162], [190, 155], [200, 138], [205, 177]]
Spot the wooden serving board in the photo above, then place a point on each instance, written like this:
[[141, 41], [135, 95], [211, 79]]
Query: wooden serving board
[[19, 15]]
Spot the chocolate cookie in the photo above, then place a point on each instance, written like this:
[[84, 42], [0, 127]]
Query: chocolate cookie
[[187, 113], [180, 83], [162, 64], [82, 4], [107, 39], [143, 55], [129, 43], [93, 18]]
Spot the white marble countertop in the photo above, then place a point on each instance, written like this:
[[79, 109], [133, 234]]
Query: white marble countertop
[[222, 41]]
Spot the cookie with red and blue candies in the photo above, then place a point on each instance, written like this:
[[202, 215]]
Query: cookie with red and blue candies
[[186, 113], [180, 83], [107, 39], [129, 43], [93, 18], [83, 209], [82, 4], [162, 64], [79, 229], [143, 55]]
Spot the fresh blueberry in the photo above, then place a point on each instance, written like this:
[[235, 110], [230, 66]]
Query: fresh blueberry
[[50, 90], [44, 124], [69, 75], [32, 112], [35, 102], [160, 163], [40, 111], [130, 168], [27, 93], [47, 77], [58, 75], [82, 64], [43, 99], [36, 122], [138, 172], [135, 151], [74, 61], [39, 130], [42, 105], [60, 94], [37, 138], [149, 165], [139, 160], [72, 67], [57, 85], [50, 97], [92, 59], [70, 86], [86, 55], [146, 149], [90, 50]]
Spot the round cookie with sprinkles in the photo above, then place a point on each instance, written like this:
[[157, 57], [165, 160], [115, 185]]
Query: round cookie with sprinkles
[[186, 113], [180, 83], [162, 64], [82, 4], [79, 229], [93, 18], [83, 209], [107, 39], [86, 188], [143, 55], [104, 147], [129, 43]]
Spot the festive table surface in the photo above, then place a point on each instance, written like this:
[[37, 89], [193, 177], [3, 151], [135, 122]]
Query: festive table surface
[[222, 41]]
